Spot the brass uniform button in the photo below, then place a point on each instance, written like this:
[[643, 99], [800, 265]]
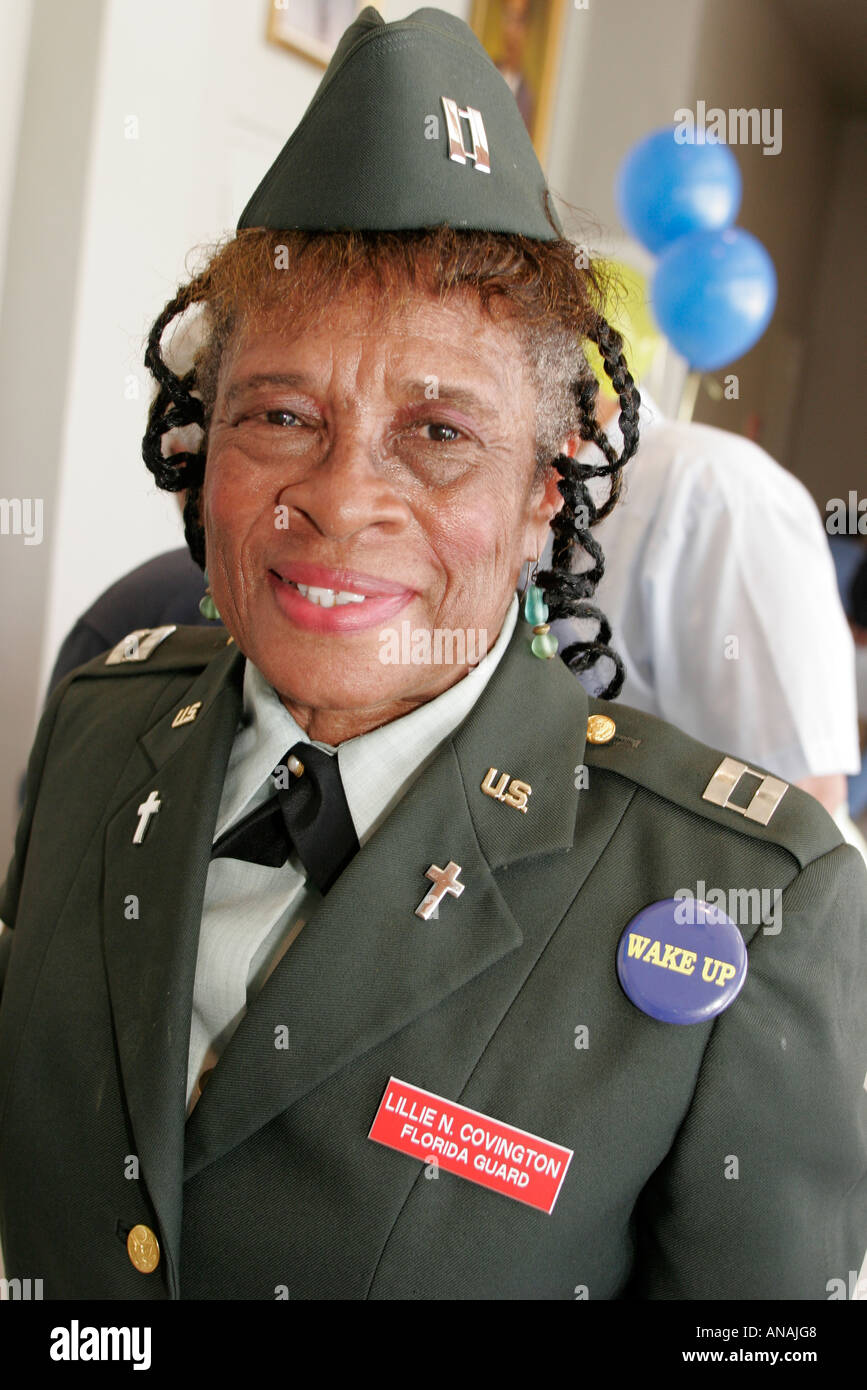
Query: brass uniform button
[[600, 728], [143, 1249]]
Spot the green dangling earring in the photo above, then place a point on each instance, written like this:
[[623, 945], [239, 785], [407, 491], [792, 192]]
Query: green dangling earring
[[207, 607], [544, 643]]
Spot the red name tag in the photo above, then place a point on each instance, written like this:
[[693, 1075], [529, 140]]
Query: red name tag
[[474, 1146]]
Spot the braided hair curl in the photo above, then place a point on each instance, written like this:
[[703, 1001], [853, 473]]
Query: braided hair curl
[[173, 407], [567, 590]]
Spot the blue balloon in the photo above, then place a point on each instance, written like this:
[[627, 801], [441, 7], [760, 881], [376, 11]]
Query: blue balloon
[[667, 189], [713, 295]]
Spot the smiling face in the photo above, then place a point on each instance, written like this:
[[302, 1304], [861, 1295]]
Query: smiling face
[[375, 468]]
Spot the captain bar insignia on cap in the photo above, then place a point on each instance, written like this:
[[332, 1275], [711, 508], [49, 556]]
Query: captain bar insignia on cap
[[479, 154], [764, 801]]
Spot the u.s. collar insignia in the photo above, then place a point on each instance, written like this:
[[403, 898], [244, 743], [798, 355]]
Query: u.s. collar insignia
[[186, 715], [512, 792]]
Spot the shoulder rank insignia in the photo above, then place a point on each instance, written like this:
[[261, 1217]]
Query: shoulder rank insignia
[[764, 801], [138, 645]]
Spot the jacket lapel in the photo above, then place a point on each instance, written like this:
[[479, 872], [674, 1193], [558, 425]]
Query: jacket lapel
[[152, 911], [365, 965]]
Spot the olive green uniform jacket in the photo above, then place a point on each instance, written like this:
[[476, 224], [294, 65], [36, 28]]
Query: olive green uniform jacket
[[719, 1160]]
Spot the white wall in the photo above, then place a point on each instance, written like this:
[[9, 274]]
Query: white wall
[[37, 329], [15, 22]]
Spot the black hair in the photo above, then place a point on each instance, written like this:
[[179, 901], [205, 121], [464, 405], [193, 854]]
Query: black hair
[[173, 407], [567, 591]]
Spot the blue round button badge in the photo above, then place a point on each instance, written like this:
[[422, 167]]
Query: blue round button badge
[[682, 961]]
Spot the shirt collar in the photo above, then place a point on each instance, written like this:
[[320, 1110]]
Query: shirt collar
[[376, 768]]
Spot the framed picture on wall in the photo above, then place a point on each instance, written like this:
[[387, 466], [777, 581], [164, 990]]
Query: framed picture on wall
[[524, 39], [310, 28]]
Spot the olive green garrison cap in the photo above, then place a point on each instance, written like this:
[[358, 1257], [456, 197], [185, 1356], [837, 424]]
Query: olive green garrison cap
[[411, 126]]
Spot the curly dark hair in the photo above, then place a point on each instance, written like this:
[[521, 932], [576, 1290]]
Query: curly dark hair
[[556, 303]]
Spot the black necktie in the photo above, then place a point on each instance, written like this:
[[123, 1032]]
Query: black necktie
[[309, 812]]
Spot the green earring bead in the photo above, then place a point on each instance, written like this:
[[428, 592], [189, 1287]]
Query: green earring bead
[[535, 607], [207, 607], [544, 643]]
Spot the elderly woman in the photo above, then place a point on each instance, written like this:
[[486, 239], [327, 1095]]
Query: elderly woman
[[341, 971]]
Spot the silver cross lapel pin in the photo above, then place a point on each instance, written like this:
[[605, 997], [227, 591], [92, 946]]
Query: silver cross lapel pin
[[444, 881], [145, 811]]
